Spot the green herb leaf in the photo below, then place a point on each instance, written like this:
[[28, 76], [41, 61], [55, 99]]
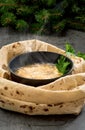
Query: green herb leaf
[[62, 64], [69, 48], [71, 51], [80, 54]]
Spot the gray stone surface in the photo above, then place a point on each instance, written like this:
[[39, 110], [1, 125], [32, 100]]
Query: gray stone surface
[[15, 121], [76, 38]]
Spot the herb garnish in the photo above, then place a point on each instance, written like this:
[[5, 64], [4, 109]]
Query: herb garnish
[[71, 51], [69, 48], [80, 54], [62, 64]]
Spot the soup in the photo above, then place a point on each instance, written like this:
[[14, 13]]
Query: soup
[[39, 71]]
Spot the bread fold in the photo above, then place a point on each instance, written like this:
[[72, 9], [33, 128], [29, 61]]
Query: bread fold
[[65, 95]]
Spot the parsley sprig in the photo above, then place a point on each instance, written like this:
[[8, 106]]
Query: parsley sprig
[[71, 51], [69, 48], [80, 54], [62, 65]]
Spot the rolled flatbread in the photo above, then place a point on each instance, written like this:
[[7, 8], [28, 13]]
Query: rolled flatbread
[[63, 96], [9, 51], [30, 108], [5, 74], [47, 96]]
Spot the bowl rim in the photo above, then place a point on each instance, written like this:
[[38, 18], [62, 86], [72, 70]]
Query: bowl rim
[[32, 79]]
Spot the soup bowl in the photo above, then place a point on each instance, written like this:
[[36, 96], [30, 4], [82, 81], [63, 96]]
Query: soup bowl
[[32, 58]]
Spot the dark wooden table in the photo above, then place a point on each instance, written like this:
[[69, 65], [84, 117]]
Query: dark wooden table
[[15, 121]]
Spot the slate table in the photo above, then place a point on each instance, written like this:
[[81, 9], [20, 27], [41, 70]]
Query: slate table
[[16, 121]]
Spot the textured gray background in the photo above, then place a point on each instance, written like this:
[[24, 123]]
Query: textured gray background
[[15, 121]]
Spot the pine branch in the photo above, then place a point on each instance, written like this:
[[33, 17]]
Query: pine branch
[[21, 25], [42, 16], [8, 19], [58, 27], [76, 25]]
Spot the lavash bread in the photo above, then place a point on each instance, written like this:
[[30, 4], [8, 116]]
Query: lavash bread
[[32, 94], [4, 74], [7, 52], [41, 109], [63, 96], [26, 99]]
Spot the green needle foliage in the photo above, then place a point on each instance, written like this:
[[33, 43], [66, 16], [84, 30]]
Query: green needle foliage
[[55, 15], [21, 25], [8, 19], [42, 16]]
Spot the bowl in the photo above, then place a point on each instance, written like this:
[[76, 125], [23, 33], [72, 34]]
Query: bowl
[[32, 58]]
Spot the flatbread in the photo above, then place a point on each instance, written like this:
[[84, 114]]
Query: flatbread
[[37, 95], [63, 96], [30, 108], [9, 51], [4, 74]]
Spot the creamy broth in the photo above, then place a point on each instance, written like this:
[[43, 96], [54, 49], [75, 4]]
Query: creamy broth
[[39, 71]]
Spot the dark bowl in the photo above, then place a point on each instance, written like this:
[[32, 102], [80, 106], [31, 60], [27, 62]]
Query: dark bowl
[[32, 58]]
